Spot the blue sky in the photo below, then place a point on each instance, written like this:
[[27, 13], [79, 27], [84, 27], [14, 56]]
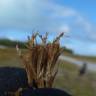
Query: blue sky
[[77, 18]]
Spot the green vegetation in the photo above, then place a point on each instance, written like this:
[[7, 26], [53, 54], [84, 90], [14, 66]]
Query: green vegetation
[[69, 51], [10, 43]]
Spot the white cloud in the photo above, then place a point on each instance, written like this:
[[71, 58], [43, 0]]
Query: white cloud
[[63, 11], [69, 12], [64, 28], [84, 23], [43, 15], [87, 27]]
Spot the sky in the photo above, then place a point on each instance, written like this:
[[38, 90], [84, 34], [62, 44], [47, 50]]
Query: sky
[[77, 18]]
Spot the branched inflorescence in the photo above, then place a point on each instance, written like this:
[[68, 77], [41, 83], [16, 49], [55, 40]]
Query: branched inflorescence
[[40, 60]]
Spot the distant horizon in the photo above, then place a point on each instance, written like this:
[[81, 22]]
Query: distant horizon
[[75, 53]]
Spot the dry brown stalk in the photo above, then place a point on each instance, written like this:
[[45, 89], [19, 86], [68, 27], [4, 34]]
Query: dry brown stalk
[[40, 60]]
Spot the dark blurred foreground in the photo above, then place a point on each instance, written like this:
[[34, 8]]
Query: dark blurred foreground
[[11, 79]]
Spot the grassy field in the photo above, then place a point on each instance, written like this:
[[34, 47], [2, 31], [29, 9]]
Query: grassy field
[[69, 80], [9, 57], [66, 79], [84, 58]]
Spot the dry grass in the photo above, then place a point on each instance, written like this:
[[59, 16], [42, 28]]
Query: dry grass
[[40, 60]]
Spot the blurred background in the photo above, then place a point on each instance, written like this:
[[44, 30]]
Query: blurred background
[[76, 18]]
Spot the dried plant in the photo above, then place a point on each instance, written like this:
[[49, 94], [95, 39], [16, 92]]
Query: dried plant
[[40, 60]]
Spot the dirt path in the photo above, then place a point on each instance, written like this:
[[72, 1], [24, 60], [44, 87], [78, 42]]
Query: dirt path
[[91, 66]]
